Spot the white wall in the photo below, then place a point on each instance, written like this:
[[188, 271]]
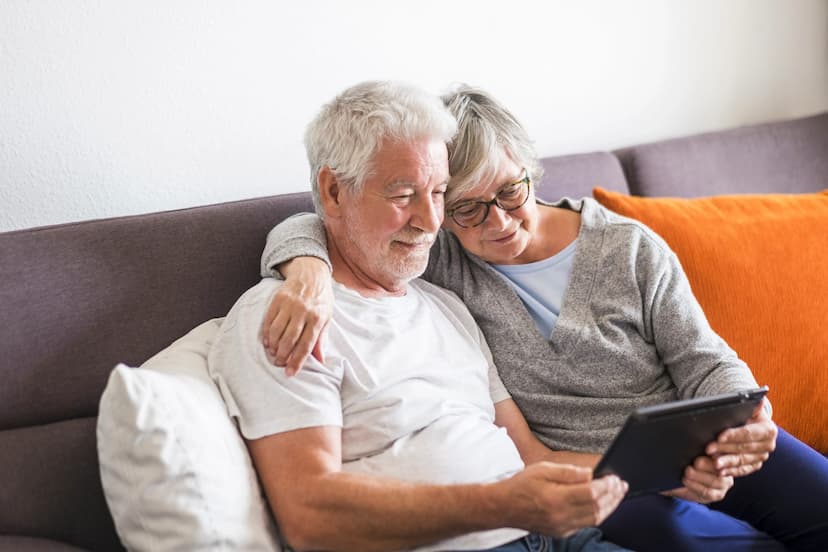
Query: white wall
[[113, 107]]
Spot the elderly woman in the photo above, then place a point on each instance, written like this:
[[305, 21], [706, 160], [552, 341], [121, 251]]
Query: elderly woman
[[588, 315]]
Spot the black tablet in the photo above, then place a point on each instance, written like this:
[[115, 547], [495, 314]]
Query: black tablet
[[657, 442]]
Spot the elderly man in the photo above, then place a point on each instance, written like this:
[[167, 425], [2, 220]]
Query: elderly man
[[404, 438]]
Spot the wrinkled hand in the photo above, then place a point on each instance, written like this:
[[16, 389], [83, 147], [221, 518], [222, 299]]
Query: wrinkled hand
[[294, 325], [740, 451], [702, 482], [559, 499]]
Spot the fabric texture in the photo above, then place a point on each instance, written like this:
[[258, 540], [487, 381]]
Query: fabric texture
[[541, 285], [759, 266], [408, 379], [577, 174], [176, 474], [787, 156], [627, 293]]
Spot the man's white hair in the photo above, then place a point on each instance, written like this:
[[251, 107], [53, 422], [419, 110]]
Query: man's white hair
[[347, 133]]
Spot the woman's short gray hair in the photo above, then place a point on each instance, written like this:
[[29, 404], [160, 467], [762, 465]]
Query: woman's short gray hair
[[349, 130], [485, 129]]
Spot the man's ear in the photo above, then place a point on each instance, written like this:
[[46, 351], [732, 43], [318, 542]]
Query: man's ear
[[330, 192]]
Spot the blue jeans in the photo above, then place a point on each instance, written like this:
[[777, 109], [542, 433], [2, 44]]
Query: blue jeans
[[780, 507], [586, 540]]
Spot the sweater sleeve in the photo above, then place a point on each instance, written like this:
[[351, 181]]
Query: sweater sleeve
[[302, 235], [699, 361]]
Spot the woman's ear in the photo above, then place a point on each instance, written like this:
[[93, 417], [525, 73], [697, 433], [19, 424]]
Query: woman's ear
[[329, 192]]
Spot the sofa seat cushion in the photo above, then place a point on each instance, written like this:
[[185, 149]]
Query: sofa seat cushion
[[175, 471], [758, 264]]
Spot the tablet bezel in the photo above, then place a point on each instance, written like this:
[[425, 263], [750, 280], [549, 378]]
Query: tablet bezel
[[656, 443]]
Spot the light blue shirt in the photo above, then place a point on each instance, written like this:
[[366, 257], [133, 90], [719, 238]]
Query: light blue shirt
[[541, 285]]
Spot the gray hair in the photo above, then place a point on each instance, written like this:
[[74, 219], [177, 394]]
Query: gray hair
[[347, 133], [485, 129]]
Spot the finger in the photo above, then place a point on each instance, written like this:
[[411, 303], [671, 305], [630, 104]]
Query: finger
[[705, 487], [319, 345], [746, 447], [728, 461], [706, 479], [755, 431], [280, 325], [608, 498], [743, 470], [301, 351], [705, 464]]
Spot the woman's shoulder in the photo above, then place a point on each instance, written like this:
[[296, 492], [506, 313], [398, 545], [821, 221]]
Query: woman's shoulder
[[618, 228]]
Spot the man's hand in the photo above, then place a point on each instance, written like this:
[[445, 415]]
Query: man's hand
[[558, 499], [702, 482], [742, 450], [295, 322]]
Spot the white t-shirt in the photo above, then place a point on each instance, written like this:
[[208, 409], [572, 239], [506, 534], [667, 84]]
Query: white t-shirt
[[409, 379]]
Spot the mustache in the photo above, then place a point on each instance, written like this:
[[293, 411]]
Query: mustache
[[416, 238]]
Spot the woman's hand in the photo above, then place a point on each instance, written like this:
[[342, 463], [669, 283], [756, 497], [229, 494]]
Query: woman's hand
[[702, 482], [295, 322], [740, 451]]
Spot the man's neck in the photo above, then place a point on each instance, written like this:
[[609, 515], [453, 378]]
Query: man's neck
[[350, 275]]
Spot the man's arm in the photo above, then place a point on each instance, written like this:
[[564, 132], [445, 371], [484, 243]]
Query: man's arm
[[703, 482], [318, 506]]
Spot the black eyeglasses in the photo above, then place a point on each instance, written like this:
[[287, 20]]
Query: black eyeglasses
[[509, 198]]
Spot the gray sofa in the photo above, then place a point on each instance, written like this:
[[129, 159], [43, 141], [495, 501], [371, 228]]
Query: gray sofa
[[78, 298]]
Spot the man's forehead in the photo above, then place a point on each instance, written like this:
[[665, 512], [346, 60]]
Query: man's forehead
[[410, 163]]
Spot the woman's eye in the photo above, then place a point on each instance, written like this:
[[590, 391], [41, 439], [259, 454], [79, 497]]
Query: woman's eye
[[466, 210], [510, 191]]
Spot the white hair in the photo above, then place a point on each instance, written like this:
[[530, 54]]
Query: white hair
[[486, 129], [348, 131]]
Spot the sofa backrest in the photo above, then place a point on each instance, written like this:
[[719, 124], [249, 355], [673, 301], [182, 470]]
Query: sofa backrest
[[75, 300], [576, 175], [781, 157]]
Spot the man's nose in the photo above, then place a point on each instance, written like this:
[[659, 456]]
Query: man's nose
[[428, 213]]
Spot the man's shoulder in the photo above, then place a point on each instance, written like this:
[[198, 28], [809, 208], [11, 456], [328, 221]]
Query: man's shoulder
[[252, 303], [263, 291]]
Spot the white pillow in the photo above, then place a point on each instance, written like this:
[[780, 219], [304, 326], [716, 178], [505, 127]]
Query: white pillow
[[175, 471]]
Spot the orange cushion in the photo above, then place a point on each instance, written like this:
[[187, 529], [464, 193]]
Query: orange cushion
[[758, 264]]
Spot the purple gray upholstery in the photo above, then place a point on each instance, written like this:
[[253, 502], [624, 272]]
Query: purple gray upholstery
[[576, 175], [75, 300], [790, 156]]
